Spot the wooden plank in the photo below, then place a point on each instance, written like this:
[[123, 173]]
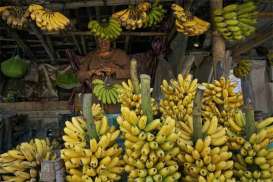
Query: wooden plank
[[84, 48], [39, 35], [265, 14], [88, 33], [262, 35]]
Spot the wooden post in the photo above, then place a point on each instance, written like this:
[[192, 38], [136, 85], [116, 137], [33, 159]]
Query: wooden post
[[218, 42], [87, 114], [146, 97], [250, 121], [133, 72], [197, 120]]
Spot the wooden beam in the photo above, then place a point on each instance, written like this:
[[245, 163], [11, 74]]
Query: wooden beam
[[39, 35], [265, 14], [262, 35], [126, 44], [50, 45], [80, 4], [88, 33]]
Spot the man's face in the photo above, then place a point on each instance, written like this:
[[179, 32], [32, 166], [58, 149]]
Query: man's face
[[104, 45]]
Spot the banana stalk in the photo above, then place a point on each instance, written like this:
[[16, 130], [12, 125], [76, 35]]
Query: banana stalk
[[87, 113], [197, 120], [250, 122], [133, 72], [146, 97]]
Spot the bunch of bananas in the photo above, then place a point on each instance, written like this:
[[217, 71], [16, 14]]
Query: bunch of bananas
[[188, 25], [254, 161], [15, 16], [178, 98], [134, 16], [150, 148], [23, 163], [109, 31], [155, 15], [236, 21], [106, 93], [242, 69], [98, 162], [202, 162], [129, 99], [47, 20], [220, 100]]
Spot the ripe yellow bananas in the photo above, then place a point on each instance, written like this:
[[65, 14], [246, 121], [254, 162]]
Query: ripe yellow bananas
[[14, 16], [150, 148], [23, 162], [188, 25], [127, 98], [47, 20]]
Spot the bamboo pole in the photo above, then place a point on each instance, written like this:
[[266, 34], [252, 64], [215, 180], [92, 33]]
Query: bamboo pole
[[88, 117], [146, 97], [133, 72]]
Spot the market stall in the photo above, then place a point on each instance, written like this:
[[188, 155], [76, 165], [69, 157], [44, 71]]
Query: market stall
[[138, 90]]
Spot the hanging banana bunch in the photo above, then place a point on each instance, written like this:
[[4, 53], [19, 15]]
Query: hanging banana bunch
[[93, 160], [107, 94], [23, 162], [133, 17], [221, 101], [150, 144], [242, 69], [15, 16], [47, 20], [104, 30], [236, 21], [187, 24], [155, 15]]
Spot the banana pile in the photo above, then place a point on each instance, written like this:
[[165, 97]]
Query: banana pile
[[23, 163], [242, 69], [107, 94], [109, 31], [87, 161], [254, 161], [178, 98], [150, 148], [220, 100], [205, 163], [155, 15], [133, 17], [14, 16], [236, 21], [188, 25], [47, 20], [129, 99]]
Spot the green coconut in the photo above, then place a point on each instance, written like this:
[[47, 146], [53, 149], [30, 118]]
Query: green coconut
[[67, 80], [14, 67]]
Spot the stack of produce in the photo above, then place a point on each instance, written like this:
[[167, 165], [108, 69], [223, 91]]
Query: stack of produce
[[14, 16], [129, 98], [221, 101], [187, 24], [155, 15], [236, 21], [106, 93], [94, 159], [109, 31], [207, 158], [47, 20], [23, 163], [178, 98], [242, 69], [134, 16]]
